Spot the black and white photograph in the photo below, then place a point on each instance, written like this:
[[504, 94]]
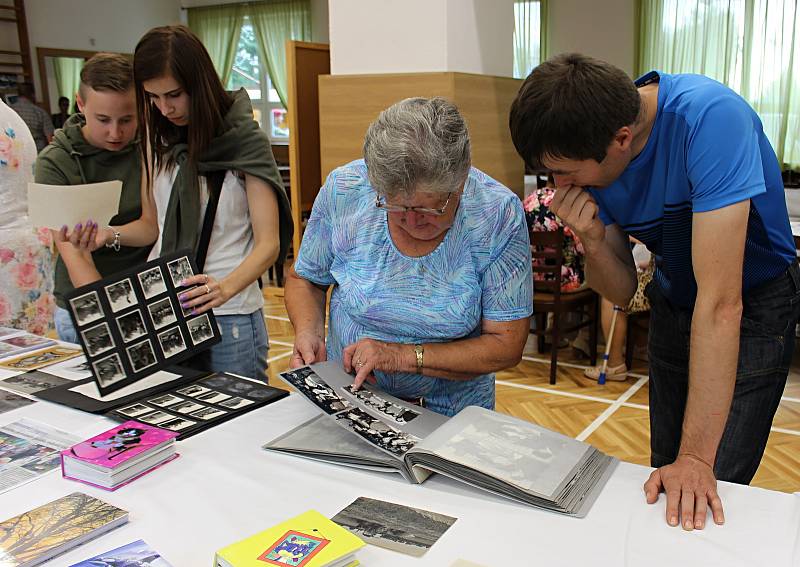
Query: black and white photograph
[[141, 356], [86, 308], [97, 339], [192, 391], [229, 384], [152, 281], [236, 403], [179, 270], [186, 407], [165, 400], [377, 432], [213, 397], [109, 370], [135, 410], [208, 413], [131, 326], [200, 329], [400, 528], [177, 424], [161, 313], [393, 411], [187, 311], [316, 389], [10, 401], [120, 295], [155, 418], [171, 342], [32, 382]]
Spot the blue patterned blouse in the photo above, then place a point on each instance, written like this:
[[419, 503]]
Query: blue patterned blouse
[[481, 270]]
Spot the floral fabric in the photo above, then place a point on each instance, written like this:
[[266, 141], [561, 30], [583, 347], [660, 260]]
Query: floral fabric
[[541, 219]]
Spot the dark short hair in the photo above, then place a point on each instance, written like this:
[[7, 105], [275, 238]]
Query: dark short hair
[[570, 107], [63, 99], [107, 72], [26, 90]]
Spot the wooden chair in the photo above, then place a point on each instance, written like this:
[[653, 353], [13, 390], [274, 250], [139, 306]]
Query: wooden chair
[[548, 298]]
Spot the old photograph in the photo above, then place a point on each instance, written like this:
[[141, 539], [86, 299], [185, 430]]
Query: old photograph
[[10, 401], [179, 270], [171, 342], [131, 326], [192, 391], [230, 384], [165, 400], [39, 359], [213, 397], [392, 526], [177, 424], [32, 382], [236, 403], [152, 281], [97, 339], [315, 389], [109, 370], [161, 313], [200, 329], [390, 410], [186, 407], [155, 418], [86, 308], [377, 432], [121, 295], [141, 356], [135, 410], [208, 413]]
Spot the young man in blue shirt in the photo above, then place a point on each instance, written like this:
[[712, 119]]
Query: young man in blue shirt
[[681, 163]]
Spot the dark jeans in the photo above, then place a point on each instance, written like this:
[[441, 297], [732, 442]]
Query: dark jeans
[[770, 314]]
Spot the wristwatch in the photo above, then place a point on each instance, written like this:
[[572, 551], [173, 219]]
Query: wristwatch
[[115, 244], [419, 351]]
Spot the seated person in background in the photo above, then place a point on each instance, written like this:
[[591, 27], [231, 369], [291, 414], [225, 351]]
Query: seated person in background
[[616, 369], [26, 275], [61, 117], [37, 119], [430, 263], [99, 144]]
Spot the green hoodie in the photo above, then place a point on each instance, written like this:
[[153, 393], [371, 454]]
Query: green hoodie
[[71, 160]]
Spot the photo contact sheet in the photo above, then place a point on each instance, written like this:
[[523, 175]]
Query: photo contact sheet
[[131, 324]]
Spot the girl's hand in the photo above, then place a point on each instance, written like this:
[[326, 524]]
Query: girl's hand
[[207, 294], [86, 237]]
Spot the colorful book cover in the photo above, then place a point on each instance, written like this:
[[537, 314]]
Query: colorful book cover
[[119, 444], [134, 554], [41, 533], [308, 540]]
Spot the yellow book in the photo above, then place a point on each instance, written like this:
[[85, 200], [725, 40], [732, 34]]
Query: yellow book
[[307, 540]]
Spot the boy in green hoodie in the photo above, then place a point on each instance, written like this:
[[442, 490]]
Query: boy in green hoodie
[[99, 144]]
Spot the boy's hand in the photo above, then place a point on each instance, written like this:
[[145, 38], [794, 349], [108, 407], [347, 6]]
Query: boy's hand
[[578, 209]]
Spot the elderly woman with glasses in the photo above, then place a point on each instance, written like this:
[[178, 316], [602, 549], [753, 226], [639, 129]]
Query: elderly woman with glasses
[[429, 261]]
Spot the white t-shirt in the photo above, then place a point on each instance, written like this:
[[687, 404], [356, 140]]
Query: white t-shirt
[[231, 237]]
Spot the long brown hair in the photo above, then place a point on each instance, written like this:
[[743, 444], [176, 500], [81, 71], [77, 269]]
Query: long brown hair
[[176, 51]]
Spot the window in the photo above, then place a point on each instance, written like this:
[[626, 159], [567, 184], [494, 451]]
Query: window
[[249, 73], [527, 36]]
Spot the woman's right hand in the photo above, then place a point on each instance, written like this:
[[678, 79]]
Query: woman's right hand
[[85, 236], [308, 348]]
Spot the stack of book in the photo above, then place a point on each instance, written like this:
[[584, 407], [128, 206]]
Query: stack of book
[[119, 455], [310, 540]]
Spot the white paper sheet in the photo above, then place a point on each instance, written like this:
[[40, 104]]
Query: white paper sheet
[[90, 388], [54, 206]]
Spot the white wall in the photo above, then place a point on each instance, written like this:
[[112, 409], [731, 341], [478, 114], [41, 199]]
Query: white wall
[[416, 36], [94, 25], [605, 30]]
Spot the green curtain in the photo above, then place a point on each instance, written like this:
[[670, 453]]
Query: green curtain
[[68, 76], [749, 45], [530, 17], [274, 22], [218, 27]]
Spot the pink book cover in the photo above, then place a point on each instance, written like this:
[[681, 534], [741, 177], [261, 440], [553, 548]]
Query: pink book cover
[[119, 444]]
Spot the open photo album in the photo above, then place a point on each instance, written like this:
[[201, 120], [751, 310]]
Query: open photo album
[[488, 450], [131, 324]]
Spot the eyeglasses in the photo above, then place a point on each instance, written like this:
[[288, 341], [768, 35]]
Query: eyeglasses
[[381, 203]]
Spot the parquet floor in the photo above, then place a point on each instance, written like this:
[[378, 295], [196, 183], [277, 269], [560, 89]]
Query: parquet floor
[[614, 417]]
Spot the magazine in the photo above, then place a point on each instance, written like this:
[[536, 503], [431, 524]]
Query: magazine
[[492, 451]]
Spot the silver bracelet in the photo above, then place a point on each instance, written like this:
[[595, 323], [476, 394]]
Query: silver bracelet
[[115, 244]]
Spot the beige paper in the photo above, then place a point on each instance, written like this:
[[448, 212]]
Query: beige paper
[[53, 206]]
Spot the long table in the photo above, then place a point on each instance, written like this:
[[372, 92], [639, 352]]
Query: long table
[[225, 487]]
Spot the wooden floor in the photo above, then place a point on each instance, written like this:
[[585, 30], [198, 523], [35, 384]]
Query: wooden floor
[[613, 418]]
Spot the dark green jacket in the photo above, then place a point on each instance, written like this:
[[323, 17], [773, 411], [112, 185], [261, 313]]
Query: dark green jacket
[[71, 160]]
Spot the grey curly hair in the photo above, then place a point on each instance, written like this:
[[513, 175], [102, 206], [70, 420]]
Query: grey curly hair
[[415, 143]]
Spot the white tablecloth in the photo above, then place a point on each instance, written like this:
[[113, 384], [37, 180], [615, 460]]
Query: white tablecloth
[[224, 487]]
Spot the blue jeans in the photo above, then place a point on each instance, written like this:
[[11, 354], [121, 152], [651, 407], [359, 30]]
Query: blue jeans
[[766, 343], [243, 349], [66, 331]]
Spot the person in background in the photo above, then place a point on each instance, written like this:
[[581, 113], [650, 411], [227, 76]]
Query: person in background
[[60, 117], [26, 273], [38, 121], [98, 144]]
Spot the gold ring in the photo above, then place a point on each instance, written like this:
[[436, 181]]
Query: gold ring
[[206, 275], [359, 364], [208, 289]]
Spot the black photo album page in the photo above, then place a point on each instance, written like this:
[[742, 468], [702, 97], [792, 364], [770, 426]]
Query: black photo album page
[[131, 324]]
